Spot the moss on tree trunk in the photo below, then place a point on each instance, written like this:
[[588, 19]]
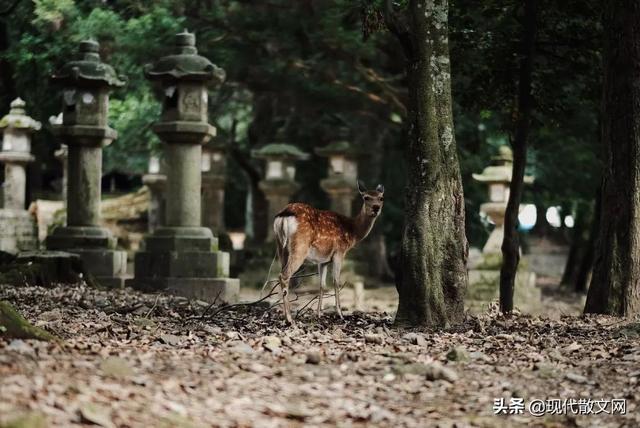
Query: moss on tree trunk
[[15, 326], [615, 285], [432, 277]]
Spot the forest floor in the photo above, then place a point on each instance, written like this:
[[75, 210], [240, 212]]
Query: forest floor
[[130, 359]]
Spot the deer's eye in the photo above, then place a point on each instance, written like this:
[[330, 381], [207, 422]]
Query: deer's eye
[[381, 199], [367, 198]]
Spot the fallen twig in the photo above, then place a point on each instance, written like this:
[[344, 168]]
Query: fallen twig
[[153, 307]]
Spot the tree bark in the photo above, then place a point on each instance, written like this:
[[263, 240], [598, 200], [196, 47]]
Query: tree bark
[[578, 247], [260, 131], [615, 287], [524, 109], [433, 275], [586, 264], [15, 326]]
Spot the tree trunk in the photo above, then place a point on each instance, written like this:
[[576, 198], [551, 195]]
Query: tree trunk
[[260, 131], [14, 326], [371, 169], [615, 287], [584, 269], [433, 274], [578, 247], [511, 242]]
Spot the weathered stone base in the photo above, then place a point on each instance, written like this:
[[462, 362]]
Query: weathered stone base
[[18, 231], [181, 239], [194, 274], [221, 290], [108, 267], [181, 264], [67, 237], [95, 246]]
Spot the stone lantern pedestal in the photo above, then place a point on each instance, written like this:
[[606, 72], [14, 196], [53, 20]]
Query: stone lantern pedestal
[[484, 272], [18, 230], [182, 256], [84, 130]]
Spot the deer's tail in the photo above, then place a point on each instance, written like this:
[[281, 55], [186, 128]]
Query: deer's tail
[[284, 226]]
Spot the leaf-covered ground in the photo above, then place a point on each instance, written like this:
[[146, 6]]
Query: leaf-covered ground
[[146, 360]]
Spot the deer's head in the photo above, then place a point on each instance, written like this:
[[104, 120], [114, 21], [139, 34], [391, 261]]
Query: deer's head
[[372, 199]]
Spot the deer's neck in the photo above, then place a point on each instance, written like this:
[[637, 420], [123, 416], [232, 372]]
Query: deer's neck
[[363, 224]]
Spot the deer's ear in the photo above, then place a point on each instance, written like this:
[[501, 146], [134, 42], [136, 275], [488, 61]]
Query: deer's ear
[[361, 187], [380, 188]]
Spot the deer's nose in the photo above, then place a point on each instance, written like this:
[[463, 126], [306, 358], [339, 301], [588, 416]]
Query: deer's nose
[[375, 208]]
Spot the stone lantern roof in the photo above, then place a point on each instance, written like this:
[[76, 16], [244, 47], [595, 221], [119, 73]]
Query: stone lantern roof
[[17, 118], [88, 71], [339, 147], [501, 168], [185, 64], [280, 151]]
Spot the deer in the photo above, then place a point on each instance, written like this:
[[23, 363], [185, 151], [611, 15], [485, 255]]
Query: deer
[[304, 233]]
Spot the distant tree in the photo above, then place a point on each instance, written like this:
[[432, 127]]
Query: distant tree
[[432, 276], [615, 285], [522, 115]]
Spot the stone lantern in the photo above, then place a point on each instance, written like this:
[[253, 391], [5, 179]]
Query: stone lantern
[[156, 180], [497, 176], [18, 230], [279, 182], [213, 166], [181, 256], [86, 84], [484, 269], [340, 184], [16, 153]]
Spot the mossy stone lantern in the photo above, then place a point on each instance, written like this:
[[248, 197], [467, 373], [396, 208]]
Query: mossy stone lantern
[[497, 176], [181, 255], [17, 128], [86, 84], [340, 184], [279, 182]]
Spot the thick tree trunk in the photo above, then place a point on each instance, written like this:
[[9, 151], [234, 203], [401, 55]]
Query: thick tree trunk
[[578, 247], [511, 242], [584, 269], [433, 273], [260, 131], [615, 286]]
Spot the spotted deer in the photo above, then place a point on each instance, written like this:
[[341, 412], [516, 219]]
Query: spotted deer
[[321, 237]]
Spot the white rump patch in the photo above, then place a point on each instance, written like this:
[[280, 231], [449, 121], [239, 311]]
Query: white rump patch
[[284, 228]]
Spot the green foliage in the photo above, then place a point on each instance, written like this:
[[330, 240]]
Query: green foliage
[[309, 65], [52, 11]]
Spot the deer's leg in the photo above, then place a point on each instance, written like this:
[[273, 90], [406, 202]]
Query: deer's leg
[[296, 256], [337, 266], [322, 272]]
